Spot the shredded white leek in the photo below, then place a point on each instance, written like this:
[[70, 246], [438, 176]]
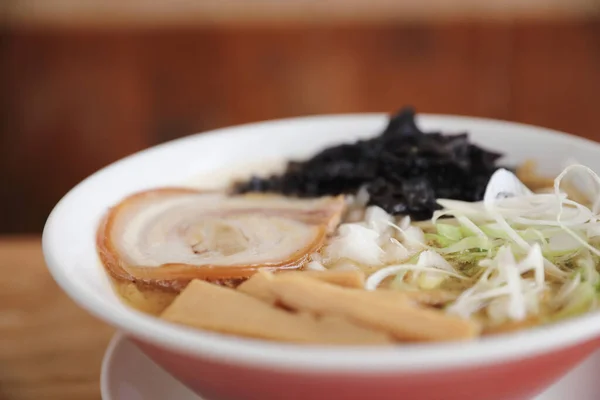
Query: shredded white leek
[[503, 278], [376, 278], [412, 235], [514, 239], [357, 243], [557, 181], [566, 290]]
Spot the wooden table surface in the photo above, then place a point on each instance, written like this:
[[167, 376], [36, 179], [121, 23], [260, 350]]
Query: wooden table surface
[[49, 348]]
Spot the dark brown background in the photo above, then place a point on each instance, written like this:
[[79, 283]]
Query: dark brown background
[[74, 100]]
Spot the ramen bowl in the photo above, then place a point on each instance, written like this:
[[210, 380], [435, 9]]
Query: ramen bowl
[[513, 366]]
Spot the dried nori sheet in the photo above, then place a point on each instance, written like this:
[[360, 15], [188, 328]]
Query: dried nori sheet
[[404, 170]]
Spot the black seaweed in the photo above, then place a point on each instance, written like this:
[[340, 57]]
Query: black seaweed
[[404, 169]]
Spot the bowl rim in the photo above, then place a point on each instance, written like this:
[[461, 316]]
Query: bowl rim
[[108, 360], [350, 359]]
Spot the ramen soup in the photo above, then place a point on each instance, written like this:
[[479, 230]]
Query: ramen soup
[[409, 236]]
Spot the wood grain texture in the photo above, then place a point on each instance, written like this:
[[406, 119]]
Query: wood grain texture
[[49, 348], [555, 78], [74, 101]]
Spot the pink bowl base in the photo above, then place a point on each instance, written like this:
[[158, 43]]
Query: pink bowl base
[[515, 380]]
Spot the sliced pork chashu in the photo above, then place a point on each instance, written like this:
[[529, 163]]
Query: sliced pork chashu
[[166, 237]]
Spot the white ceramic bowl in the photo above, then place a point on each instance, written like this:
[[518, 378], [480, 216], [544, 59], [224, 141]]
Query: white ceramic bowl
[[223, 367]]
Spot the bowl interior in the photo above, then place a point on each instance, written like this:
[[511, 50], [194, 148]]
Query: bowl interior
[[69, 245]]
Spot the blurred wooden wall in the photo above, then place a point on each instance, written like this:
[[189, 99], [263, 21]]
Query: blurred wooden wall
[[75, 100]]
